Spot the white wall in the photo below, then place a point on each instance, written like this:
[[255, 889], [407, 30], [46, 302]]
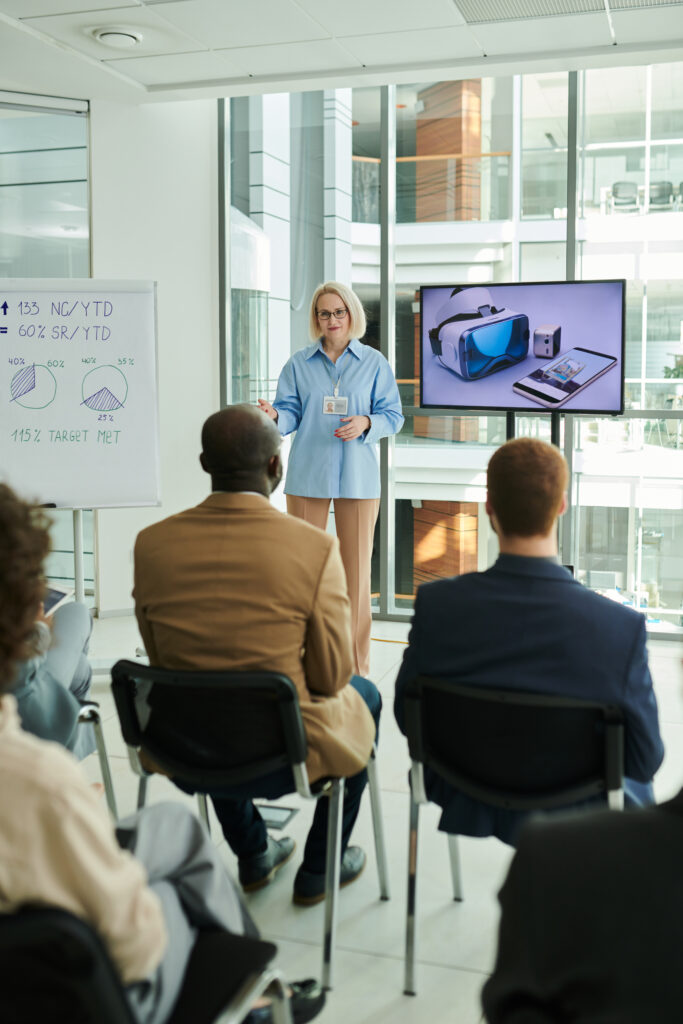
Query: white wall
[[154, 217]]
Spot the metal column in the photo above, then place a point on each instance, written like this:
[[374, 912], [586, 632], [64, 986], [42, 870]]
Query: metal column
[[387, 520]]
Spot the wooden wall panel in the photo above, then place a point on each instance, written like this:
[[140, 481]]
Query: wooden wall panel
[[449, 123], [444, 540]]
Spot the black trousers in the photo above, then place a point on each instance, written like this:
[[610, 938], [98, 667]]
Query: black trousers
[[244, 828]]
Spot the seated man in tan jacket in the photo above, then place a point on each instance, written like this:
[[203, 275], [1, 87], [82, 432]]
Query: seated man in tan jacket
[[235, 584]]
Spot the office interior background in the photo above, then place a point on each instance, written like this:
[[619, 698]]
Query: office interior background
[[238, 205], [238, 154]]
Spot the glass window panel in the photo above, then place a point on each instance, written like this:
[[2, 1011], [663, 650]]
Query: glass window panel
[[543, 261], [614, 105], [249, 323], [629, 488], [43, 194], [667, 110], [613, 180], [366, 155], [43, 167], [666, 177], [45, 230], [453, 146], [544, 146], [239, 153]]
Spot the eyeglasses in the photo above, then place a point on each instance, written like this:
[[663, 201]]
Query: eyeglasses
[[339, 314]]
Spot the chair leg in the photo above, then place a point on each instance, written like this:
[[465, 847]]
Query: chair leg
[[104, 766], [204, 811], [409, 978], [281, 1012], [378, 828], [615, 799], [332, 870], [142, 791], [456, 874]]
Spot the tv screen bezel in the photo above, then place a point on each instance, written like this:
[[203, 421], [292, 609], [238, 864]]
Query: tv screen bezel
[[526, 410]]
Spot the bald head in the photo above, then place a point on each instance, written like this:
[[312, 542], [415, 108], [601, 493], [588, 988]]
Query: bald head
[[240, 450]]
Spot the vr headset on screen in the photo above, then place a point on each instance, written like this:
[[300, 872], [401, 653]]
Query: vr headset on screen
[[474, 339]]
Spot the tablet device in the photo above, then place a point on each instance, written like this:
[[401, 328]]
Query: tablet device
[[55, 597]]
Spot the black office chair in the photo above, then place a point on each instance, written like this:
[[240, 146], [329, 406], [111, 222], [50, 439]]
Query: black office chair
[[55, 969], [624, 196], [661, 195], [520, 751], [218, 730]]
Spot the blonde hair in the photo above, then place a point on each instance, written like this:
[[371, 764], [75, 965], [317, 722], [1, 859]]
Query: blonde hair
[[353, 304]]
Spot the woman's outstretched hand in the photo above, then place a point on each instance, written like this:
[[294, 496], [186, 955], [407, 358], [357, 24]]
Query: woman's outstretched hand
[[267, 408]]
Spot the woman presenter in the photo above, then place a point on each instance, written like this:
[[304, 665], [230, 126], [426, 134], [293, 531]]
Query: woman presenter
[[340, 397]]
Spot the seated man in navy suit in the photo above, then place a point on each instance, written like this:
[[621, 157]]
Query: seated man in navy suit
[[526, 624]]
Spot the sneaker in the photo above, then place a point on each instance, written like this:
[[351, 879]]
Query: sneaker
[[259, 870], [309, 887], [305, 1003]]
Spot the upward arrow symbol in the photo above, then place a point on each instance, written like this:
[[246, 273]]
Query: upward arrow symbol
[[4, 308]]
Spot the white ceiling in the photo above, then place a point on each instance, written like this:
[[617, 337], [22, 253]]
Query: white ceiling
[[197, 48]]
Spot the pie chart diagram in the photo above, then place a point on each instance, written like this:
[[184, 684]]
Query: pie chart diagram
[[33, 387], [104, 389]]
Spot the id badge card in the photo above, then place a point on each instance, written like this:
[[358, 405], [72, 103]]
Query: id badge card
[[335, 406]]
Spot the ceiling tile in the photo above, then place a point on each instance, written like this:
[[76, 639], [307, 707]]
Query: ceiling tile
[[74, 29], [228, 23], [580, 32], [664, 24], [203, 66], [293, 58], [374, 17], [32, 8], [424, 45]]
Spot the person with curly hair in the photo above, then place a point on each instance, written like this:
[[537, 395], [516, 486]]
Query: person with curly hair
[[24, 543], [52, 676], [146, 887]]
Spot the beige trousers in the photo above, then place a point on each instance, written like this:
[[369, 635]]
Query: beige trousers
[[355, 519]]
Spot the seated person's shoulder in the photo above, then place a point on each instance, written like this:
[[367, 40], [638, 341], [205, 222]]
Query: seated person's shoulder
[[607, 607], [299, 531], [451, 586], [41, 763]]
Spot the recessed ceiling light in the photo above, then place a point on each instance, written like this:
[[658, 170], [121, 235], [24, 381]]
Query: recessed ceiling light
[[117, 38]]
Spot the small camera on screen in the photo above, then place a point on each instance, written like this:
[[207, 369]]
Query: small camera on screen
[[547, 341]]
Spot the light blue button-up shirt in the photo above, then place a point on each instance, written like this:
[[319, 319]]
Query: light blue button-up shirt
[[320, 464]]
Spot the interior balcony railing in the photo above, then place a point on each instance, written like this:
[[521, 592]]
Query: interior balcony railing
[[436, 187]]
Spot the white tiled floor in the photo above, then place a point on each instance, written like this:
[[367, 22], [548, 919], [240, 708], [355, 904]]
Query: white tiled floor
[[456, 942]]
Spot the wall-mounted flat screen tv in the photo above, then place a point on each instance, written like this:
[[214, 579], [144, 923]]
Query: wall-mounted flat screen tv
[[536, 347]]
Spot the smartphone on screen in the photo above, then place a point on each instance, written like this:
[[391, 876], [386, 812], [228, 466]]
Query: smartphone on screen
[[555, 383]]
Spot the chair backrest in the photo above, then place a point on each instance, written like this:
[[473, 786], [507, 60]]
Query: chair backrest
[[661, 192], [54, 968], [624, 192], [219, 966], [212, 729], [520, 751]]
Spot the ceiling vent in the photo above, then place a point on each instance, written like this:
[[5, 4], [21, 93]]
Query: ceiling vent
[[116, 37], [480, 12]]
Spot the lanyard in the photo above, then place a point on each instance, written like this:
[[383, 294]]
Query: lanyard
[[336, 382]]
